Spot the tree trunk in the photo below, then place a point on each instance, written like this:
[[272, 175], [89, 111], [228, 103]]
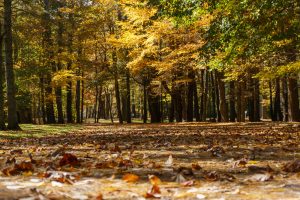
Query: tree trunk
[[2, 79], [190, 96], [241, 102], [10, 78], [154, 106], [223, 106], [145, 111], [285, 101], [277, 103], [271, 102], [58, 89], [77, 103], [128, 102], [232, 102], [48, 45], [118, 100], [294, 112], [69, 83], [196, 102], [42, 100], [82, 98]]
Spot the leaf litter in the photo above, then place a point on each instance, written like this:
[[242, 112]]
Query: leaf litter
[[165, 161]]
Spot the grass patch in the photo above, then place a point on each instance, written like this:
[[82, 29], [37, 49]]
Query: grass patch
[[31, 130]]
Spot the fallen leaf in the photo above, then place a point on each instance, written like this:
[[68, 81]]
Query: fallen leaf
[[180, 178], [154, 192], [99, 197], [69, 159], [293, 166], [196, 166], [154, 180], [131, 178], [169, 162], [261, 177]]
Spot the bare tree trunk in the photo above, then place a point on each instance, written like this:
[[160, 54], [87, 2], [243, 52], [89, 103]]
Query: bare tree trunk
[[128, 102], [294, 112], [82, 98], [69, 84], [190, 96], [10, 77], [232, 102], [271, 102], [222, 105], [77, 103], [241, 102], [48, 45], [196, 102], [277, 104], [58, 89], [285, 101], [145, 111], [2, 80]]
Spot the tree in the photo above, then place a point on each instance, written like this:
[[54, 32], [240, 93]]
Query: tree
[[2, 80], [10, 78]]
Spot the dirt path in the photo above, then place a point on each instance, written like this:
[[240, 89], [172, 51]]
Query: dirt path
[[163, 161]]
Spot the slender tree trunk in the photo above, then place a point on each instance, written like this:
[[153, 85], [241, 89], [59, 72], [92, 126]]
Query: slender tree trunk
[[69, 102], [96, 102], [190, 96], [82, 98], [277, 103], [241, 102], [196, 102], [2, 80], [118, 100], [294, 112], [128, 100], [285, 101], [256, 100], [232, 102], [145, 111], [214, 100], [48, 45], [58, 89], [77, 103], [10, 77], [42, 99], [271, 102], [202, 91], [222, 105]]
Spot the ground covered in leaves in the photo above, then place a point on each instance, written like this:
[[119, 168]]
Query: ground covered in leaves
[[161, 161]]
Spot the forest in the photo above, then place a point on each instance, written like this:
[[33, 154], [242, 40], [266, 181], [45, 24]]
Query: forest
[[156, 61], [194, 99]]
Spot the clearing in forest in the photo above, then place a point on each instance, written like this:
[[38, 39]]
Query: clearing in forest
[[152, 161]]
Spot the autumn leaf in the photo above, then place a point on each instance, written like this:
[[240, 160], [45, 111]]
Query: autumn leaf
[[196, 166], [23, 167], [154, 180], [293, 166], [131, 178], [154, 192], [69, 159]]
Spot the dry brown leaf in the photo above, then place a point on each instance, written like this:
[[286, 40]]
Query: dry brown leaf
[[196, 166], [99, 197], [69, 159], [293, 166]]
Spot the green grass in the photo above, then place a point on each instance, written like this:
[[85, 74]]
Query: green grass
[[31, 130]]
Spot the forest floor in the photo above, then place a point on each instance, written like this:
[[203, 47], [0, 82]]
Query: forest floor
[[151, 161]]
